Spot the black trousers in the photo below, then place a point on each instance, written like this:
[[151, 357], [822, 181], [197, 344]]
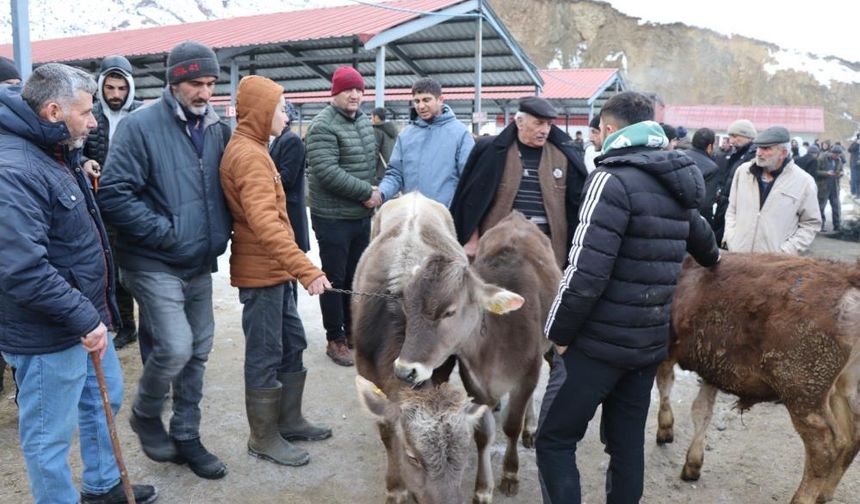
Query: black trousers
[[577, 385], [341, 244]]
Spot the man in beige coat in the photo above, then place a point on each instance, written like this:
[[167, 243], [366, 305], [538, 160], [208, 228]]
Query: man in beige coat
[[773, 205]]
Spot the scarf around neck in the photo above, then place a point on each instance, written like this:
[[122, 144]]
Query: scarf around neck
[[641, 134]]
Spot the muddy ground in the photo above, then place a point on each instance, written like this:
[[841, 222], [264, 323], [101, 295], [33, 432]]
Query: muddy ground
[[751, 458]]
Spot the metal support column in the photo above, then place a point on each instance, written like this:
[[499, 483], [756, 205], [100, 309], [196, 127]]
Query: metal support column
[[479, 42], [21, 50], [234, 85], [380, 77]]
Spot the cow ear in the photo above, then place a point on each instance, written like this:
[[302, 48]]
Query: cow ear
[[500, 301], [371, 397], [475, 412]]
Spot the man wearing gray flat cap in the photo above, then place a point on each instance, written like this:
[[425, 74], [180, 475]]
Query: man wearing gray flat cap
[[773, 204], [531, 166]]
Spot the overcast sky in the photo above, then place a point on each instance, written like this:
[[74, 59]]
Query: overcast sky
[[824, 27]]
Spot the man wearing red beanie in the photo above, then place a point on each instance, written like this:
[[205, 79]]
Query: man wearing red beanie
[[341, 166]]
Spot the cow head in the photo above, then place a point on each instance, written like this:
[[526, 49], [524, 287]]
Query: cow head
[[445, 302], [430, 434]]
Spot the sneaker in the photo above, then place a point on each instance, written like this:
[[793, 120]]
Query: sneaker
[[143, 494], [203, 463], [339, 353], [124, 337], [154, 440]]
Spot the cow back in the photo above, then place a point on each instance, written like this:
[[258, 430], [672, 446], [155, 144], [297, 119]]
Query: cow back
[[767, 326]]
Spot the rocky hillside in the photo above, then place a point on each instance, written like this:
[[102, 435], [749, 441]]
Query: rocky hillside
[[684, 65]]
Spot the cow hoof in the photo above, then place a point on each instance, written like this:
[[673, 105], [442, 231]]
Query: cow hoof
[[665, 436], [528, 439], [483, 498], [691, 472], [510, 485], [397, 497]]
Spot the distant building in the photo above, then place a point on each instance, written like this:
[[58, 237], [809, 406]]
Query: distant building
[[805, 122]]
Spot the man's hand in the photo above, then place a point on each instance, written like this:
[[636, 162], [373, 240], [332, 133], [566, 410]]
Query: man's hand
[[319, 285], [92, 168], [560, 349], [96, 340], [375, 199]]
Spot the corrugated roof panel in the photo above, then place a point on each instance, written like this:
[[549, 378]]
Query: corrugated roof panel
[[719, 117], [274, 28]]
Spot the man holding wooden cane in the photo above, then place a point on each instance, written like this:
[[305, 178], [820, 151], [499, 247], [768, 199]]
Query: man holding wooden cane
[[57, 288]]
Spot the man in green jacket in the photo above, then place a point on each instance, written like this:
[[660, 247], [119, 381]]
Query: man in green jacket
[[341, 165]]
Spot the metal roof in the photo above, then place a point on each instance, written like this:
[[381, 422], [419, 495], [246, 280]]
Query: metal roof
[[719, 117], [572, 91], [301, 49]]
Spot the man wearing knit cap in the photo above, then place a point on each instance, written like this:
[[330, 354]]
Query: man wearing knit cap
[[741, 133], [162, 193], [772, 202], [9, 72], [114, 101], [341, 164]]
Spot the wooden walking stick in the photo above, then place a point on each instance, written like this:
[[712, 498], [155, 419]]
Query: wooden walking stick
[[117, 452]]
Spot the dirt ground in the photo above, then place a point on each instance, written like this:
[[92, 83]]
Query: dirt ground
[[751, 458]]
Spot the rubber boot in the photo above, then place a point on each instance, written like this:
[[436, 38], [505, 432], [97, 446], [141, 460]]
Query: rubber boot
[[291, 422], [262, 406]]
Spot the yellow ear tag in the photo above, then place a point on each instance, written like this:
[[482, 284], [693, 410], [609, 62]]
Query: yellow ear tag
[[378, 391], [497, 308]]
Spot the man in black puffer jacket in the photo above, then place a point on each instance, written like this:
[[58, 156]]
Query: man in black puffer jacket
[[114, 101], [610, 320]]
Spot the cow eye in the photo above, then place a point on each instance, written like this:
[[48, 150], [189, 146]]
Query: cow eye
[[449, 313], [413, 459]]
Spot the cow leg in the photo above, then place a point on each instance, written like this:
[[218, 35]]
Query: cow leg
[[702, 412], [485, 432], [395, 490], [847, 420], [519, 403], [665, 418], [821, 455], [530, 423]]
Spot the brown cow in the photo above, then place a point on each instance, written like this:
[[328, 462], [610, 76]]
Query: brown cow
[[770, 327], [415, 254]]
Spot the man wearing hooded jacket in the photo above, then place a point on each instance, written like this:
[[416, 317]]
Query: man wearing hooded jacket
[[114, 101], [610, 321], [429, 155]]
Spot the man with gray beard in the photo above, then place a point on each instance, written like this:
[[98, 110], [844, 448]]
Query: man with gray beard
[[162, 193], [773, 205]]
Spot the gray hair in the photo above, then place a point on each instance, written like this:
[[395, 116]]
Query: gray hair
[[55, 82], [520, 115]]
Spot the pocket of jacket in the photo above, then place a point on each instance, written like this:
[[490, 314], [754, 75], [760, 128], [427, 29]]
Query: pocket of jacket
[[72, 218]]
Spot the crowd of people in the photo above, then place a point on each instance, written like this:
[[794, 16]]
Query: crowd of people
[[106, 202]]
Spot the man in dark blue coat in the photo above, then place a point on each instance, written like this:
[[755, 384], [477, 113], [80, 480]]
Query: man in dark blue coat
[[610, 321], [161, 192], [57, 288]]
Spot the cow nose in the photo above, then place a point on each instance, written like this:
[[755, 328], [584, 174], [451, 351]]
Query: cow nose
[[405, 372]]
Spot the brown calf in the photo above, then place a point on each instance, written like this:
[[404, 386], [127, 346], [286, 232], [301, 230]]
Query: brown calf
[[772, 327]]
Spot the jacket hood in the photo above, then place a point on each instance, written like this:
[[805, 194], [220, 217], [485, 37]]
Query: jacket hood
[[19, 119], [447, 115], [120, 69], [255, 106], [388, 127], [674, 169]]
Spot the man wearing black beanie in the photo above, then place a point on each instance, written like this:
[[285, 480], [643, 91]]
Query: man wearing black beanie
[[161, 191], [8, 72]]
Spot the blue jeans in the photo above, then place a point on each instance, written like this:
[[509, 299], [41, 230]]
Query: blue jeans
[[341, 244], [274, 334], [59, 392], [179, 316]]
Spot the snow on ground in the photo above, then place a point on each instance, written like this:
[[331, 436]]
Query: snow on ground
[[824, 70]]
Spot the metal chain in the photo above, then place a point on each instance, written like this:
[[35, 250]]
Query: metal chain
[[368, 294]]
